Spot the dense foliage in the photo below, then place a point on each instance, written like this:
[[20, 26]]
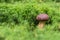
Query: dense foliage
[[18, 20], [25, 1]]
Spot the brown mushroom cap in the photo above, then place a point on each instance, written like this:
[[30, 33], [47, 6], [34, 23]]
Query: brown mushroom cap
[[42, 17]]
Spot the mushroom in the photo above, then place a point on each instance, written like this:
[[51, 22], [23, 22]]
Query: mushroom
[[42, 18]]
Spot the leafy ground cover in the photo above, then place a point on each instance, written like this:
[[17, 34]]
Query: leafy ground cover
[[18, 21]]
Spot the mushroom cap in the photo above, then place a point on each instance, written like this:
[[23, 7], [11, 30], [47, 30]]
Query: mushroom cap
[[42, 17]]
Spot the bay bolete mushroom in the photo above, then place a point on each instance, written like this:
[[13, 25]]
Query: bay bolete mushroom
[[42, 18]]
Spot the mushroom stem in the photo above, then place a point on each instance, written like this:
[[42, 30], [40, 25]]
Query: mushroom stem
[[41, 24]]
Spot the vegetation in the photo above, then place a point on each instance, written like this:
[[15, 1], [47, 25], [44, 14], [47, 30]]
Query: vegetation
[[18, 20]]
